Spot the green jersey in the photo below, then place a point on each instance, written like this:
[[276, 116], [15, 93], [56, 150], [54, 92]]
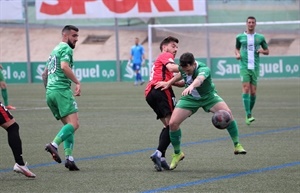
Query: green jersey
[[206, 88], [56, 77], [248, 44]]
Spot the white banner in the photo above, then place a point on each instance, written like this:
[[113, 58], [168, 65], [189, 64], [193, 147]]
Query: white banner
[[11, 10], [76, 9]]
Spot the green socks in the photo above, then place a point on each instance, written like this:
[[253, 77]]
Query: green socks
[[68, 145], [233, 132], [65, 132], [4, 96], [246, 102], [252, 101], [175, 137]]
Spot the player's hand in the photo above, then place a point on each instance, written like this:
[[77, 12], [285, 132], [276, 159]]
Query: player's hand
[[143, 62], [162, 85], [238, 56], [129, 63], [77, 90], [187, 91], [260, 51]]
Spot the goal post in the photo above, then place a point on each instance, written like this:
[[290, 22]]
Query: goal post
[[188, 34]]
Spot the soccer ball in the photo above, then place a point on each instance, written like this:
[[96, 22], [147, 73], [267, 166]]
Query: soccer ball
[[221, 119]]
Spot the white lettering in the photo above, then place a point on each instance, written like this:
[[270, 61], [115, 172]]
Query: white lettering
[[269, 68], [224, 68], [81, 73], [6, 72]]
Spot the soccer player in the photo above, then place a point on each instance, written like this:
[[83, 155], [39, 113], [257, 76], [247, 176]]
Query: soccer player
[[199, 92], [137, 59], [8, 122], [57, 78], [247, 49], [162, 101], [4, 91]]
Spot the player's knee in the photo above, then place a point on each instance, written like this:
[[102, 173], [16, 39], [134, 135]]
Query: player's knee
[[76, 126], [253, 92], [246, 89], [173, 126]]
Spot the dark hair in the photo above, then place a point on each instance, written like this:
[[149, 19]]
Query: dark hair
[[69, 28], [186, 59], [251, 17], [167, 40]]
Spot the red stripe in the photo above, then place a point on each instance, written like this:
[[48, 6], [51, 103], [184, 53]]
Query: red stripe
[[170, 101], [4, 114]]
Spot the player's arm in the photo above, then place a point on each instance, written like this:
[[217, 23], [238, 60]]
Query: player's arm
[[196, 83], [172, 67], [143, 55], [130, 58], [69, 73], [263, 51], [237, 48], [143, 59], [237, 53], [45, 76], [165, 85], [179, 83], [264, 48]]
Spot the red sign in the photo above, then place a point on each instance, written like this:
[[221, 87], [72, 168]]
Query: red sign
[[49, 9]]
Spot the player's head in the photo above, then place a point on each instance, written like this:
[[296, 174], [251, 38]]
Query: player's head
[[70, 35], [169, 44], [251, 23], [137, 40], [187, 63]]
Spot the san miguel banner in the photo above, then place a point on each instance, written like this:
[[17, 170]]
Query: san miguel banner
[[76, 9], [106, 71], [270, 67], [11, 10]]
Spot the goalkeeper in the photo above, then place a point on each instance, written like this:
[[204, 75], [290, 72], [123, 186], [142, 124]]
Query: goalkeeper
[[137, 59]]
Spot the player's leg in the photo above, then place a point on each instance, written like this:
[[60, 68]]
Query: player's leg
[[166, 109], [14, 141], [246, 78], [68, 147], [232, 128], [138, 74], [66, 134], [162, 103], [165, 102], [164, 142], [178, 116], [136, 70], [52, 147], [64, 107], [184, 108], [253, 88]]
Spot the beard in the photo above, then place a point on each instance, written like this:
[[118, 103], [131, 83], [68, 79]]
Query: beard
[[70, 44]]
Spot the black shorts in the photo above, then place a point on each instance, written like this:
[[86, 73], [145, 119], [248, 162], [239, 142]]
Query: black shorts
[[5, 115], [162, 102]]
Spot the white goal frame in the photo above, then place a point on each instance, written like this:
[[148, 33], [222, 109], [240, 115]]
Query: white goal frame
[[151, 26]]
